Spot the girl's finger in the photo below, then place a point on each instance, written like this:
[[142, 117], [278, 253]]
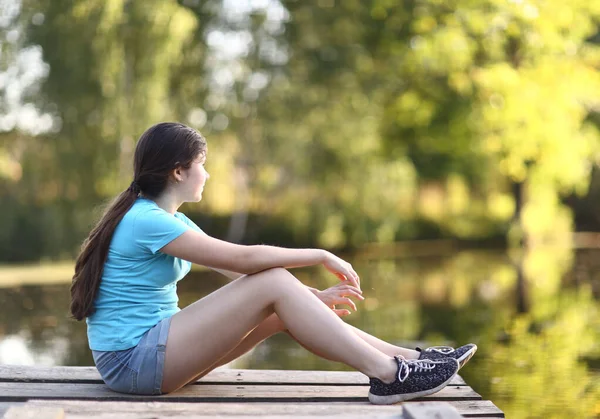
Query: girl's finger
[[350, 292], [356, 277], [358, 290], [353, 279], [351, 289], [346, 302], [341, 312], [348, 286], [354, 292]]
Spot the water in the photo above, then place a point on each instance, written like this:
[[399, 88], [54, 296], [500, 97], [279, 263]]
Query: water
[[534, 316]]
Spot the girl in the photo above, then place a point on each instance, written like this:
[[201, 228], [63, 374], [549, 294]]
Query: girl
[[142, 343]]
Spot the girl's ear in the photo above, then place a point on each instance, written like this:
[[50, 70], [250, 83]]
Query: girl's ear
[[177, 174]]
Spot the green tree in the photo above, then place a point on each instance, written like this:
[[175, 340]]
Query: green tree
[[319, 119], [116, 67], [499, 91], [494, 96]]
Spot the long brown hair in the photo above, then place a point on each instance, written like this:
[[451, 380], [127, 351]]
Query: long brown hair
[[161, 149]]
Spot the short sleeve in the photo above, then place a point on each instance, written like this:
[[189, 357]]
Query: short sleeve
[[189, 222], [153, 229]]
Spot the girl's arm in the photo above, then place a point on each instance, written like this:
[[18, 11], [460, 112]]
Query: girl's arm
[[205, 250]]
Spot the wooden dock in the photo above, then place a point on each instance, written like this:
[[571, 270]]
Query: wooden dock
[[78, 392]]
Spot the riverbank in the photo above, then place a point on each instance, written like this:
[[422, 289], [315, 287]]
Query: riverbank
[[61, 272]]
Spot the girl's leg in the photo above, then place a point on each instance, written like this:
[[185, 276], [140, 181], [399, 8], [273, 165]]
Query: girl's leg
[[381, 345], [385, 347], [273, 325], [267, 328], [202, 333]]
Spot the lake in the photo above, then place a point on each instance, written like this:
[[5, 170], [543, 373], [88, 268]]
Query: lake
[[534, 315]]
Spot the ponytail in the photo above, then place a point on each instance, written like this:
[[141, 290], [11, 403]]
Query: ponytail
[[90, 263]]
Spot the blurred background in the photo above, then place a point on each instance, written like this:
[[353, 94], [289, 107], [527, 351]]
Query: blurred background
[[448, 149]]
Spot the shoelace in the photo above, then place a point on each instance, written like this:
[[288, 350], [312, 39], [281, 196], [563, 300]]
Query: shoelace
[[441, 349], [416, 365]]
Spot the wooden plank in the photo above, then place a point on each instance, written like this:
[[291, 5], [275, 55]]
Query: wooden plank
[[478, 409], [18, 373], [430, 410], [31, 412], [94, 409], [471, 408], [239, 415], [126, 410], [4, 406], [213, 393], [199, 415]]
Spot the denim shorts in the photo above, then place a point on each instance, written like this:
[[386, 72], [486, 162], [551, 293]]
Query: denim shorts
[[137, 370]]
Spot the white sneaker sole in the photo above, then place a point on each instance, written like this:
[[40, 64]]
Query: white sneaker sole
[[466, 356], [397, 398]]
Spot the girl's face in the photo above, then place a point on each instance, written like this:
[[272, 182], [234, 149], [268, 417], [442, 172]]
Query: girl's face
[[193, 184]]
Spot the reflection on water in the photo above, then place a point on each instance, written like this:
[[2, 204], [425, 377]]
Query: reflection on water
[[534, 316]]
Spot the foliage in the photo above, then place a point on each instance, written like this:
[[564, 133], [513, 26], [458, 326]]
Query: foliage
[[346, 122]]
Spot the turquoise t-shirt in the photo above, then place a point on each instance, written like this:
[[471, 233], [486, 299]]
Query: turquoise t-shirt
[[139, 284]]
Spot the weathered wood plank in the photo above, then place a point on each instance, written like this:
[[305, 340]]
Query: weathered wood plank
[[430, 410], [17, 373], [30, 412], [126, 410], [472, 408], [154, 415], [97, 409], [213, 393], [4, 406]]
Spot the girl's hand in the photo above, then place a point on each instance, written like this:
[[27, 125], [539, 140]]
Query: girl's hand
[[342, 269], [339, 294]]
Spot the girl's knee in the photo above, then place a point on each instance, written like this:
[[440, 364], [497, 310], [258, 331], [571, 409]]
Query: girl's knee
[[278, 276], [277, 272]]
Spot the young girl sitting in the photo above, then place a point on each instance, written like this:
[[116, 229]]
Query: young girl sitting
[[142, 343]]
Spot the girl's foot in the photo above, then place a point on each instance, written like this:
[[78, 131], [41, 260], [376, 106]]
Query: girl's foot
[[462, 354], [414, 378]]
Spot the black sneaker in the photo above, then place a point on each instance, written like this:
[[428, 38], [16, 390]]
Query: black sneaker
[[415, 378], [462, 354]]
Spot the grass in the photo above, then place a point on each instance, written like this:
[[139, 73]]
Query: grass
[[36, 274], [45, 273]]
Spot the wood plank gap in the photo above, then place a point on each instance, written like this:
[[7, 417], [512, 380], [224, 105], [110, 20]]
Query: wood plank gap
[[18, 373], [199, 382], [24, 391]]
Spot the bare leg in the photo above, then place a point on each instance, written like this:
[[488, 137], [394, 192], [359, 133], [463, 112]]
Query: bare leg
[[385, 347], [381, 345], [273, 325], [203, 332]]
